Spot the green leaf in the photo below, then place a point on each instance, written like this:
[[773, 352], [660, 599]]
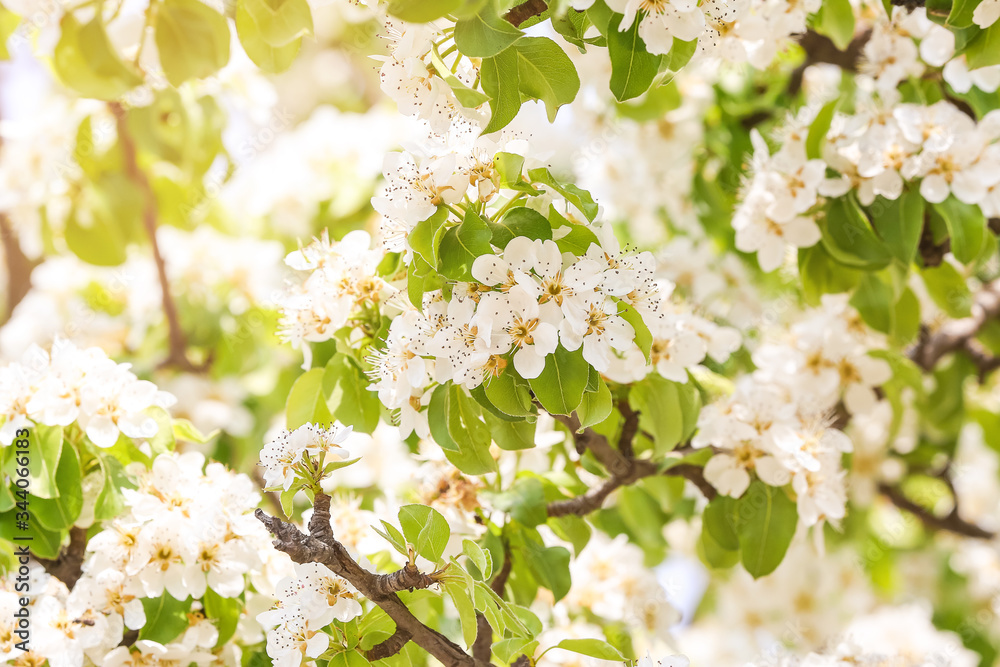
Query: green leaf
[[166, 618], [524, 500], [500, 80], [462, 244], [348, 658], [467, 97], [874, 300], [595, 648], [849, 238], [820, 126], [984, 50], [643, 338], [714, 554], [660, 410], [224, 613], [485, 34], [643, 517], [392, 536], [8, 24], [185, 430], [100, 241], [573, 529], [422, 11], [513, 436], [192, 40], [633, 68], [900, 223], [550, 567], [466, 611], [347, 397], [439, 418], [578, 197], [479, 557], [471, 435], [906, 318], [43, 543], [86, 61], [272, 59], [425, 529], [767, 522], [560, 386], [507, 394], [948, 289], [44, 449], [109, 502], [306, 402], [680, 54], [596, 406], [509, 167], [280, 22], [820, 274], [966, 226], [59, 513], [836, 21], [719, 519], [545, 73], [520, 221], [961, 13]]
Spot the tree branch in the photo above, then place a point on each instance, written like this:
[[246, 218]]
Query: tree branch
[[956, 334], [177, 356], [19, 268], [68, 567], [389, 647], [381, 589], [821, 49], [624, 469], [952, 523], [527, 10]]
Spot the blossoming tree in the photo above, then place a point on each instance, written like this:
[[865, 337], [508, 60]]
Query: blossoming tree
[[493, 332]]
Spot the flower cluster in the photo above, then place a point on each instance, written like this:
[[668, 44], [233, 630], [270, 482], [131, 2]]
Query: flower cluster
[[734, 30], [773, 212], [529, 298], [340, 282], [185, 531], [776, 422], [69, 384], [876, 152], [307, 454], [307, 602]]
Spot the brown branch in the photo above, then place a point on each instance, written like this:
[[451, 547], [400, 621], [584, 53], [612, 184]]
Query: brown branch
[[985, 362], [821, 49], [955, 334], [389, 647], [68, 566], [527, 10], [952, 523], [624, 470], [379, 589], [177, 356], [19, 268], [630, 427]]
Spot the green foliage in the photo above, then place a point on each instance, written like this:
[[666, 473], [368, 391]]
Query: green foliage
[[192, 39], [425, 529]]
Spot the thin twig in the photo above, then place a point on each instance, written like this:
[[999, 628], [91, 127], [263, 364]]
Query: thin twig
[[952, 523], [955, 334], [177, 356]]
